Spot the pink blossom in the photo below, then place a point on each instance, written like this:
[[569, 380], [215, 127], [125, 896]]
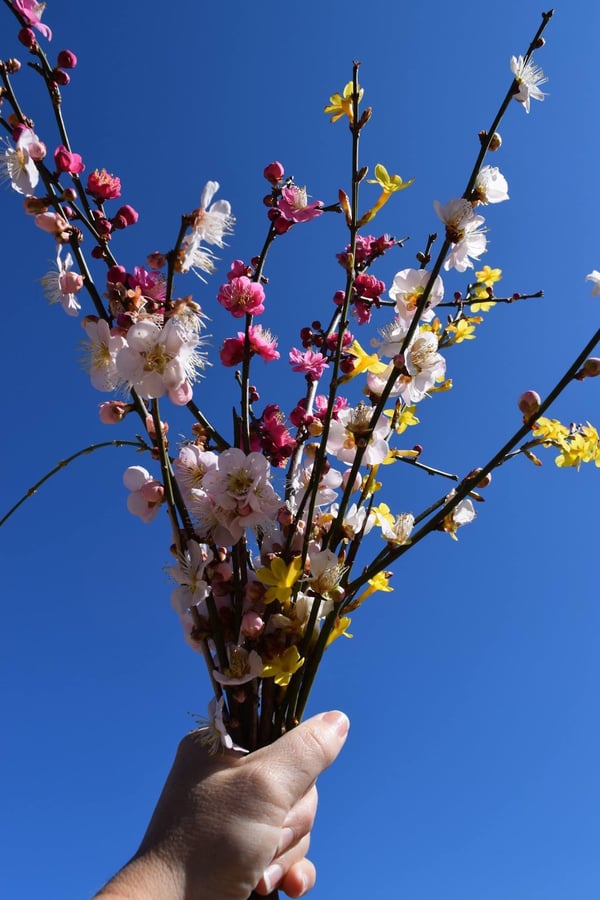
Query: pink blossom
[[18, 163], [191, 466], [146, 493], [158, 361], [242, 297], [66, 161], [62, 285], [103, 186], [368, 287], [368, 248], [261, 343], [310, 363], [53, 224], [272, 436], [361, 310], [294, 206], [238, 268], [31, 12], [104, 346]]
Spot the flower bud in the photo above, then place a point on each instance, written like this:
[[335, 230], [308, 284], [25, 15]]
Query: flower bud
[[125, 216], [483, 482], [529, 403], [116, 275], [37, 150], [12, 66], [66, 161], [113, 411], [66, 59], [60, 77], [274, 172], [35, 205], [252, 624], [156, 260], [591, 367], [27, 38], [495, 142]]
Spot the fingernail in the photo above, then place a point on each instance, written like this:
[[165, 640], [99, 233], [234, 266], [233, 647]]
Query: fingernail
[[286, 840], [272, 877], [339, 721]]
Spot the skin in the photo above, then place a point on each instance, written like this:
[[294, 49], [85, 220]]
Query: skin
[[227, 824]]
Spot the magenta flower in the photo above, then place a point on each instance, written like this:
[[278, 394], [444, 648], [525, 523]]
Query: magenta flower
[[31, 12], [261, 341], [103, 186], [242, 297], [294, 206], [310, 363], [66, 161]]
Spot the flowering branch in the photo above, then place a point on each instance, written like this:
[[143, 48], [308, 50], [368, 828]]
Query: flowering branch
[[140, 445]]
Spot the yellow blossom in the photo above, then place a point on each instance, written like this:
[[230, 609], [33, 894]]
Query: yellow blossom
[[488, 276], [551, 431], [463, 330], [382, 514], [389, 185], [342, 105], [281, 668], [280, 579], [403, 419], [581, 447], [443, 386], [483, 290], [339, 629], [365, 362], [379, 582]]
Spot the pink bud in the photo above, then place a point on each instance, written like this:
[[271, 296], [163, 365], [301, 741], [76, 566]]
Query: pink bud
[[125, 216], [66, 59], [274, 172], [591, 367], [252, 624], [156, 260], [71, 282], [60, 77], [37, 150], [33, 206], [51, 222], [280, 224], [152, 491], [66, 161], [27, 38], [529, 403], [113, 411], [181, 395]]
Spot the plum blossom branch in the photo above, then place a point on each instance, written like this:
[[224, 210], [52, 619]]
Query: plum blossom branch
[[140, 445]]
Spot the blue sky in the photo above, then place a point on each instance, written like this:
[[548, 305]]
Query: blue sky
[[471, 767]]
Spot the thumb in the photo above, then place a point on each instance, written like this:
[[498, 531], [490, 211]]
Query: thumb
[[298, 758]]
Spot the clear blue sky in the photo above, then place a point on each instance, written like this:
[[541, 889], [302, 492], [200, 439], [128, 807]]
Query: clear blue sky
[[471, 770]]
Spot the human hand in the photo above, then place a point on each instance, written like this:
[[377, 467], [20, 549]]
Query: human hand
[[228, 824]]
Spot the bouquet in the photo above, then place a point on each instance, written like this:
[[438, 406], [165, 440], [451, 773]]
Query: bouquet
[[286, 513]]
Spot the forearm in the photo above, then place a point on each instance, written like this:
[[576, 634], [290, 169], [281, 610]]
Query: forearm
[[145, 878]]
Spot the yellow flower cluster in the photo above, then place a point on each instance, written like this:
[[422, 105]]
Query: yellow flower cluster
[[577, 444]]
